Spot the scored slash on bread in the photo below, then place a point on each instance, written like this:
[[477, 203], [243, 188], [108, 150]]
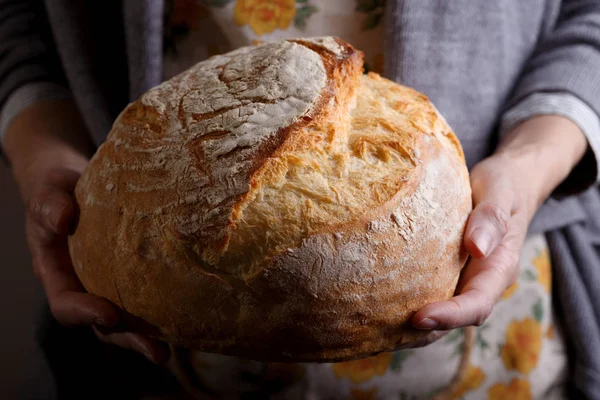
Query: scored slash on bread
[[276, 204]]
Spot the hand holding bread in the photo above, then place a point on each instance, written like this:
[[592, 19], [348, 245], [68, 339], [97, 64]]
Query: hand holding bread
[[508, 188]]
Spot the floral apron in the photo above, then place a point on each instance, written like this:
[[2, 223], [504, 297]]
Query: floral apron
[[517, 354]]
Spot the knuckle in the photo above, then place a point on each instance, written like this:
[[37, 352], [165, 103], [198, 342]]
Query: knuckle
[[56, 313], [39, 266], [484, 313], [512, 277], [48, 210], [507, 265], [497, 216], [36, 206], [454, 312], [40, 261], [39, 270], [481, 318], [484, 307]]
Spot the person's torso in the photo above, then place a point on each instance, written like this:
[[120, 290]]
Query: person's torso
[[445, 55], [465, 57], [196, 31]]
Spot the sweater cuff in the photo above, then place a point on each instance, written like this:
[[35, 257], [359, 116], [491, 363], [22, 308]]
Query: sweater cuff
[[563, 104], [24, 97]]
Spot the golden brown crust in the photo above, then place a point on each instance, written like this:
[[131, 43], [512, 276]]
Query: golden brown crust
[[273, 203]]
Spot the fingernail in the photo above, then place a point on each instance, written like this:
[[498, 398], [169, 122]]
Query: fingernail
[[483, 240], [427, 323]]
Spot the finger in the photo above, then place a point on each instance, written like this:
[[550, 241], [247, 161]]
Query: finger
[[68, 302], [481, 286], [489, 220], [502, 264], [53, 210], [72, 308], [156, 351], [51, 205]]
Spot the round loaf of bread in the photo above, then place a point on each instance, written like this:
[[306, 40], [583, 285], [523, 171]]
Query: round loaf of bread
[[275, 203]]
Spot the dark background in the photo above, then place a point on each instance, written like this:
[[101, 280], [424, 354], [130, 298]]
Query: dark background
[[21, 364]]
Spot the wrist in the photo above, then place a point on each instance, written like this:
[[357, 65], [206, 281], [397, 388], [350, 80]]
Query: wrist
[[541, 153]]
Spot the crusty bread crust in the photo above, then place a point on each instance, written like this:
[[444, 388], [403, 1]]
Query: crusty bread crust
[[274, 203]]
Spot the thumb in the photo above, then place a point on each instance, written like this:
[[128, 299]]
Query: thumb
[[488, 222], [51, 205]]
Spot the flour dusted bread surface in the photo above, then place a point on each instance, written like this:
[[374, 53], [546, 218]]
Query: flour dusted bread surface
[[274, 203]]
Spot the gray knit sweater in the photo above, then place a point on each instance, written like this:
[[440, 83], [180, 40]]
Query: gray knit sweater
[[487, 65]]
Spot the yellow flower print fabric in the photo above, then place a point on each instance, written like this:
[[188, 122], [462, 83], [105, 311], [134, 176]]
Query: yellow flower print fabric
[[517, 354], [517, 389], [197, 29], [473, 379], [543, 268], [523, 344], [264, 16], [364, 369]]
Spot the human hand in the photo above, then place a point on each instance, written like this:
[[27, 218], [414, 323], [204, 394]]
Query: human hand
[[508, 188], [46, 167]]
